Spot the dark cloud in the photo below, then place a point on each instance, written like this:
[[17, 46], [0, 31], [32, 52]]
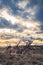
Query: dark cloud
[[32, 3], [4, 23], [38, 38], [18, 27], [7, 36], [41, 27], [25, 15]]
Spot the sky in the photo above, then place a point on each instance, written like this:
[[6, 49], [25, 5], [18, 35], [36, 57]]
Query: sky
[[23, 17]]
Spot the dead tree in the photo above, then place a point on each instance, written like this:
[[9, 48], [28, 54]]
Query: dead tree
[[18, 43], [28, 43], [8, 48]]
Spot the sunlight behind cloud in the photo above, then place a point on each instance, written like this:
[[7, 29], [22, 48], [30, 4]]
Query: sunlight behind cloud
[[5, 14]]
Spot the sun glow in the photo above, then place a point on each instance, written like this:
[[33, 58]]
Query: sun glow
[[9, 17]]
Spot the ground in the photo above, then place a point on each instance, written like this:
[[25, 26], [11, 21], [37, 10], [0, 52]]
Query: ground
[[23, 55]]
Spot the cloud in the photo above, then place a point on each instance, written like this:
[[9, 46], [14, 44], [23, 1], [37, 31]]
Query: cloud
[[4, 13], [23, 16], [22, 4], [14, 20], [38, 36]]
